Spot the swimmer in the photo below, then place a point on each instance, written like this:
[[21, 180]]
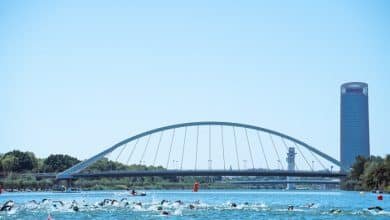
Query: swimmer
[[179, 202], [7, 206], [163, 201], [44, 201], [376, 208], [233, 205], [290, 207], [126, 203], [164, 213], [335, 211], [310, 205], [159, 208], [60, 202], [191, 206], [33, 201], [105, 202], [74, 206], [138, 203], [114, 202]]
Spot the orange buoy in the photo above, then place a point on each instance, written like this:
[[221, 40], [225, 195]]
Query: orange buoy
[[380, 197], [196, 187]]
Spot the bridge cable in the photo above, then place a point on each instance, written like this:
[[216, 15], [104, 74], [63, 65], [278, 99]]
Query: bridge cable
[[210, 162], [158, 147], [223, 149], [276, 151], [170, 148], [307, 162], [318, 160], [196, 146], [285, 144], [184, 144], [117, 157], [132, 151], [249, 146], [262, 149], [235, 144], [108, 159], [146, 147]]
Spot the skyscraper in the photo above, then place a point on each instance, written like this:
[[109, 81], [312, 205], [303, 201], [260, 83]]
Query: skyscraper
[[354, 123]]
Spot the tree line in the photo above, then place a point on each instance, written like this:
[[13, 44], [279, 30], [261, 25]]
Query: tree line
[[25, 162], [18, 170], [372, 173]]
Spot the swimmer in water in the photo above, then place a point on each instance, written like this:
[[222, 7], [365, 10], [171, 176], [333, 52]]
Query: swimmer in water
[[105, 202], [376, 208], [138, 203], [7, 206], [335, 211], [74, 206], [164, 213], [44, 201], [290, 207], [114, 202], [233, 205], [179, 202], [60, 202]]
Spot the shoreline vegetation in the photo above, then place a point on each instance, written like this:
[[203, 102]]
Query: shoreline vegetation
[[368, 174], [17, 171]]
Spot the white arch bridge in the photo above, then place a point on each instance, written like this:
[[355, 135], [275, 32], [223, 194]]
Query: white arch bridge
[[211, 148]]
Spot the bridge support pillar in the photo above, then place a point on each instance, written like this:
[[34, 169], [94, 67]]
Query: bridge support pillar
[[290, 166]]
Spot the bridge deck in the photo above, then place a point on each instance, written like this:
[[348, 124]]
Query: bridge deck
[[262, 182], [167, 173]]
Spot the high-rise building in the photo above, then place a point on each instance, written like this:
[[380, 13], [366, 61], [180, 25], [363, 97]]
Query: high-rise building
[[354, 123]]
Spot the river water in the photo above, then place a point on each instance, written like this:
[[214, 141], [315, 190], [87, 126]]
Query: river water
[[206, 204]]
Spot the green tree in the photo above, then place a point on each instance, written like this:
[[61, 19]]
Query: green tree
[[9, 163], [358, 168], [26, 161], [368, 174], [58, 162]]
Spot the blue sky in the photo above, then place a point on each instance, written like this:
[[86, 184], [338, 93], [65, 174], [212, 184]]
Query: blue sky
[[79, 76]]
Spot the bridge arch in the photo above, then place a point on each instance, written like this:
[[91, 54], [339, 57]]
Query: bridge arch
[[86, 163]]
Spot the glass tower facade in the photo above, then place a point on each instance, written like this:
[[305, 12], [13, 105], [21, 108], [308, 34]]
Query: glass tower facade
[[354, 123]]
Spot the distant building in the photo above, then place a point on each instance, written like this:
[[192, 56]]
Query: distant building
[[354, 123]]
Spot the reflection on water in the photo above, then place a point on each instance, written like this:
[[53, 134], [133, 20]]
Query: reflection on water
[[220, 204]]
